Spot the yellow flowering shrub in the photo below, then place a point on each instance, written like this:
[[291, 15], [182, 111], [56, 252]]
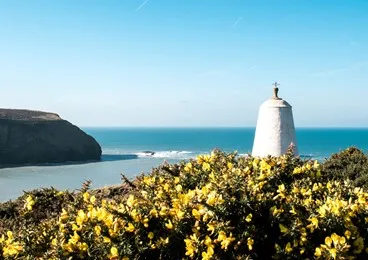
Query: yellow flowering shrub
[[217, 206]]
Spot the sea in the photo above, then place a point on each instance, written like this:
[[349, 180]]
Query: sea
[[132, 151]]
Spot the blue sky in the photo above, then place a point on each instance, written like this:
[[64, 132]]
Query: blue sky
[[185, 62]]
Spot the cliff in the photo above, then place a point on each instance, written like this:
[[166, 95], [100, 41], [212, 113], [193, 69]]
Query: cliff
[[34, 137]]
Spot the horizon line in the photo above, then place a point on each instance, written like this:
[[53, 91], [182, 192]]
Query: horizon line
[[253, 127]]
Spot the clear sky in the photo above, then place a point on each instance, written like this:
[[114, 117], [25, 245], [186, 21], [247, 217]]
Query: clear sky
[[185, 62]]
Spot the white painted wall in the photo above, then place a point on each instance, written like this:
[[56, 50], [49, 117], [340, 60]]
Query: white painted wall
[[275, 129]]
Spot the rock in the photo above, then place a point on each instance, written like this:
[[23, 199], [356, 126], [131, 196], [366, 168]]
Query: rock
[[34, 137], [149, 153]]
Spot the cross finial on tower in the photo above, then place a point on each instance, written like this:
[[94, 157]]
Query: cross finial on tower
[[275, 90]]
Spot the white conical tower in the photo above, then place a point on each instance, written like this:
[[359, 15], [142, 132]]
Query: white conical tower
[[275, 130]]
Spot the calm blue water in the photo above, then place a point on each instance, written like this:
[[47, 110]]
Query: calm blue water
[[123, 152]]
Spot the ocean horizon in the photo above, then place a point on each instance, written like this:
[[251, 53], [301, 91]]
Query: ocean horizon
[[133, 150]]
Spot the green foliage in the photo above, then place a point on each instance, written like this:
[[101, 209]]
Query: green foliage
[[351, 164], [217, 206]]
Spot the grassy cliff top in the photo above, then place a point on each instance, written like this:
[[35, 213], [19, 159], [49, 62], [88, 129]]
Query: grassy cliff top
[[27, 115]]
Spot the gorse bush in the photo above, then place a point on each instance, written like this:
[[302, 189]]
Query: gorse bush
[[351, 164], [217, 206]]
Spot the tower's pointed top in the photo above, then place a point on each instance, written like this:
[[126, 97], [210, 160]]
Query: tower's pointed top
[[275, 90]]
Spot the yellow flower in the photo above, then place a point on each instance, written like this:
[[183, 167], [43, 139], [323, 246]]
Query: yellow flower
[[342, 240], [205, 190], [83, 246], [288, 248], [229, 165], [106, 240], [12, 249], [151, 235], [276, 211], [295, 189], [297, 170], [163, 241], [226, 242], [188, 167], [130, 228], [213, 199], [169, 225], [196, 214], [281, 188], [335, 239], [80, 217], [178, 188], [283, 229], [148, 180], [221, 236], [74, 239], [255, 163], [135, 216], [292, 211], [176, 180], [306, 167], [328, 241], [93, 199], [75, 227], [54, 242], [206, 256], [347, 234], [29, 203], [163, 211], [211, 227], [208, 241], [86, 196], [250, 243], [67, 247], [316, 164], [206, 166], [333, 252], [189, 247], [318, 252], [114, 252], [131, 201], [10, 235], [154, 213], [315, 187], [166, 187], [180, 214], [97, 230], [249, 218], [314, 223], [145, 222], [264, 165]]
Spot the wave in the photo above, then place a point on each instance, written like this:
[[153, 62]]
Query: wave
[[116, 154], [167, 154]]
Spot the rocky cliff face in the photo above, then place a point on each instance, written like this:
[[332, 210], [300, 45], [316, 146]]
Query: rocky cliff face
[[33, 137]]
